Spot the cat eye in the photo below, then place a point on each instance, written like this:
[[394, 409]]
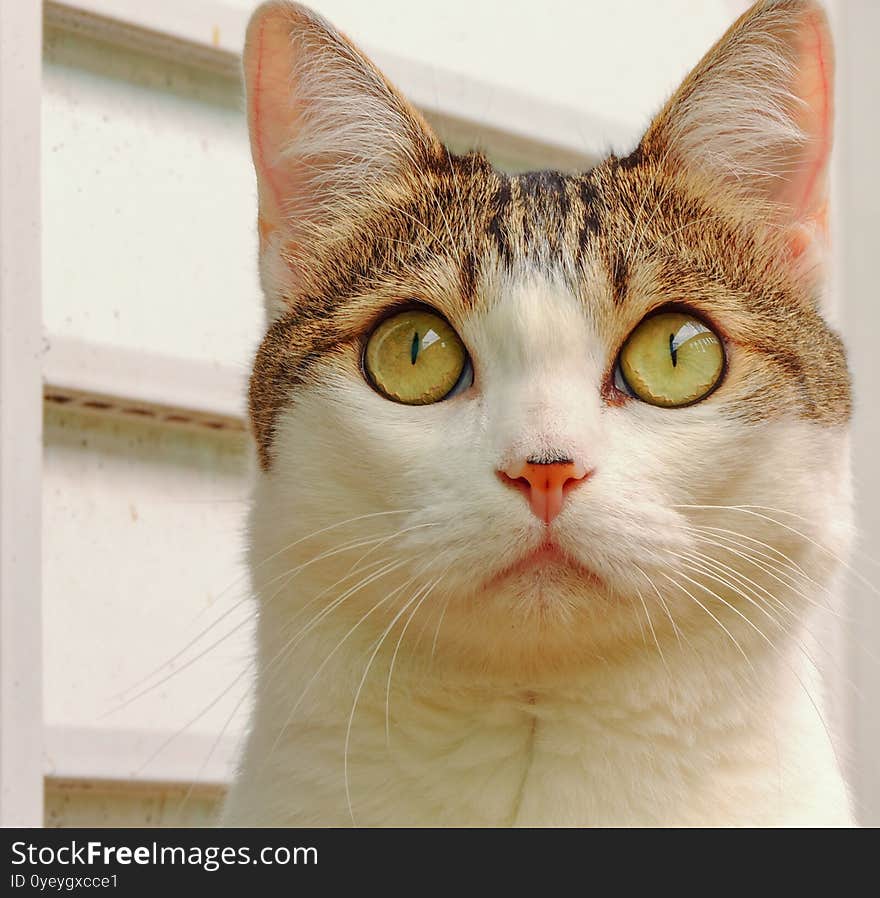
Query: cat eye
[[671, 359], [415, 357]]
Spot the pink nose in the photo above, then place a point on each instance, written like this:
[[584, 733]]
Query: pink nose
[[545, 485]]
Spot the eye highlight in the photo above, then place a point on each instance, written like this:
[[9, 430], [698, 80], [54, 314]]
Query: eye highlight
[[416, 358], [672, 359]]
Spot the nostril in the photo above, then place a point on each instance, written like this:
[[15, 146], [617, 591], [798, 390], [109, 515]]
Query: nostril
[[520, 483], [576, 479]]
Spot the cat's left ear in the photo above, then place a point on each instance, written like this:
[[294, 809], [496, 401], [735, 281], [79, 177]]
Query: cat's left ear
[[757, 114], [328, 136]]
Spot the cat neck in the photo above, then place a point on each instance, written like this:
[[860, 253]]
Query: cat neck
[[707, 721]]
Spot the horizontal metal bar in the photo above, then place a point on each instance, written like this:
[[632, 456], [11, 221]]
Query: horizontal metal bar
[[143, 384]]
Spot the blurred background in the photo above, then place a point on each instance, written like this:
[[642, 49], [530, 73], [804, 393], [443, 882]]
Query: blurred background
[[128, 219]]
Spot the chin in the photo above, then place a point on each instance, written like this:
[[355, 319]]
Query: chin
[[551, 591], [526, 618]]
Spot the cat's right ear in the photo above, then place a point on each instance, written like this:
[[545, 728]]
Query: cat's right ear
[[327, 132]]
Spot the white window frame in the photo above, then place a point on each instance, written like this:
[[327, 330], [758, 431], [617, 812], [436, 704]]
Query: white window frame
[[21, 698]]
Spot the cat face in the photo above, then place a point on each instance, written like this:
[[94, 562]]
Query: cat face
[[535, 415]]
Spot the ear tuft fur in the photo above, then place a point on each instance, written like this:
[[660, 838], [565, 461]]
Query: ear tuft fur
[[756, 112]]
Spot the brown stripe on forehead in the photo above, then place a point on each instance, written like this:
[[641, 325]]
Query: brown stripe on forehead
[[618, 270], [498, 227], [543, 215], [545, 189], [588, 217], [469, 264]]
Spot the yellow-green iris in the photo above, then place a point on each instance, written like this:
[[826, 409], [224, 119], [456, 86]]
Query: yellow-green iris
[[415, 357], [672, 359]]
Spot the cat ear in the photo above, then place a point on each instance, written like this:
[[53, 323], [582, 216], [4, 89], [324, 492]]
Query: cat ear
[[327, 131], [756, 113]]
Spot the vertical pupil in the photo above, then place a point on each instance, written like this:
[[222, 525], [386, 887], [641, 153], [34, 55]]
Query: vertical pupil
[[672, 350], [414, 348]]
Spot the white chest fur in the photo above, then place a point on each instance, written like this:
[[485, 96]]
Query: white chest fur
[[633, 742]]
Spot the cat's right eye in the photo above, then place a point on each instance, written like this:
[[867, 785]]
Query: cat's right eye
[[416, 358]]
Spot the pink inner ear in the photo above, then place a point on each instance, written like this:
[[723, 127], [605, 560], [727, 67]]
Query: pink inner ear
[[256, 112], [807, 188], [272, 117]]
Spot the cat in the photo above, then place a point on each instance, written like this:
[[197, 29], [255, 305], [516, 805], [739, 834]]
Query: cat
[[553, 469]]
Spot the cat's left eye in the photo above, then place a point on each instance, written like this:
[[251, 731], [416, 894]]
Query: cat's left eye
[[416, 357], [671, 359]]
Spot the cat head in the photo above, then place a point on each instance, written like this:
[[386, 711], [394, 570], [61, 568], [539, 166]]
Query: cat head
[[538, 413]]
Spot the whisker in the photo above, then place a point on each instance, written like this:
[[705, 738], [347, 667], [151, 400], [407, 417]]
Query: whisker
[[775, 649], [782, 562], [396, 535], [357, 696], [439, 625], [747, 509], [291, 644], [190, 723], [430, 589], [675, 628], [799, 643], [723, 601], [714, 618], [731, 571], [297, 638], [786, 511], [248, 598], [332, 653], [314, 533], [653, 632], [638, 618], [777, 576], [211, 750]]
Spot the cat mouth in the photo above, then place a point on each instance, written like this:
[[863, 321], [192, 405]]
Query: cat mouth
[[548, 557]]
